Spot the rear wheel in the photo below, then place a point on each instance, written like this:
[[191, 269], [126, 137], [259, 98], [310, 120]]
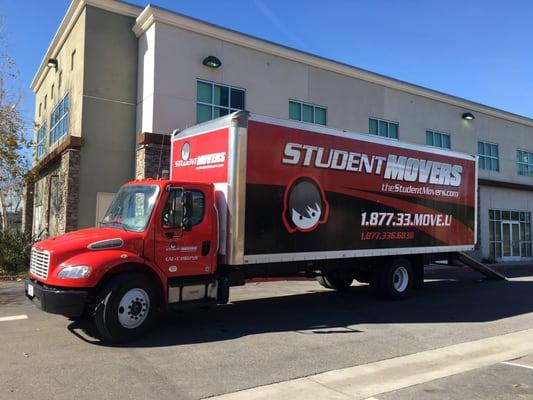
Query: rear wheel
[[338, 280], [394, 280], [126, 307]]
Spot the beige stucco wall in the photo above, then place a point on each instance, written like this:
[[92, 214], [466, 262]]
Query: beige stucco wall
[[110, 94], [102, 91], [71, 81]]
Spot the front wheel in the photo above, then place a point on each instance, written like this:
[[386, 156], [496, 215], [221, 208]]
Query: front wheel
[[394, 280], [126, 307]]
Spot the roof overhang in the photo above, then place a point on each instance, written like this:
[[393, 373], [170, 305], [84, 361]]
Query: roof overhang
[[69, 20], [152, 14]]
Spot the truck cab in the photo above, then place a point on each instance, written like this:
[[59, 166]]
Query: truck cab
[[156, 246]]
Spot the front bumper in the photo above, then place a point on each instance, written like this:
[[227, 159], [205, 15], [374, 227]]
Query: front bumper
[[68, 302]]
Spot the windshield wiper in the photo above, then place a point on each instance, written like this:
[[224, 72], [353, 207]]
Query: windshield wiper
[[115, 222]]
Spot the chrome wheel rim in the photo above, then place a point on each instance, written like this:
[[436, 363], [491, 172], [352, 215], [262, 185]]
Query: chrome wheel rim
[[400, 279], [133, 308]]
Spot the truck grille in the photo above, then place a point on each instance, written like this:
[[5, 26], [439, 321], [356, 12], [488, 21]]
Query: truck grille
[[39, 263]]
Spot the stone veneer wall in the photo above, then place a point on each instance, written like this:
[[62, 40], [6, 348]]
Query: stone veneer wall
[[70, 184], [27, 207], [152, 160]]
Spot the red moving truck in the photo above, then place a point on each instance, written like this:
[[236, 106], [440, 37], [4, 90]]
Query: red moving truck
[[251, 196]]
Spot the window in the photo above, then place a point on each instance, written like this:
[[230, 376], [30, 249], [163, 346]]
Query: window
[[59, 120], [52, 93], [40, 108], [307, 113], [45, 100], [380, 127], [198, 206], [438, 139], [488, 156], [131, 207], [59, 81], [213, 101], [41, 140], [173, 211], [499, 239], [524, 161], [72, 58]]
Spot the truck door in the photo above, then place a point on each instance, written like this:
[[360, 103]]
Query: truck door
[[186, 241]]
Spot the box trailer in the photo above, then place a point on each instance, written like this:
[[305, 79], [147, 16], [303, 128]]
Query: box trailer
[[251, 196], [291, 191]]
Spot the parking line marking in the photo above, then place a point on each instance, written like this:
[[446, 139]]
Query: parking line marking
[[368, 380], [13, 318], [517, 365]]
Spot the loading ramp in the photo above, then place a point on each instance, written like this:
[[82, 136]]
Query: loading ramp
[[478, 266]]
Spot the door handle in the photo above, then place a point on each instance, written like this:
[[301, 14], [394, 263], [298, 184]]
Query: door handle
[[169, 235], [206, 246]]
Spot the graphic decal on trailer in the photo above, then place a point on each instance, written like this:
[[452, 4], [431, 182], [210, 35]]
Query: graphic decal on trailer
[[201, 158], [341, 193], [305, 205]]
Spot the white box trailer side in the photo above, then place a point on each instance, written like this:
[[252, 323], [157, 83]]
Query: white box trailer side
[[291, 191]]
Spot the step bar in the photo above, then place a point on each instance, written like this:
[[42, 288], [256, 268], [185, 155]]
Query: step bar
[[478, 266]]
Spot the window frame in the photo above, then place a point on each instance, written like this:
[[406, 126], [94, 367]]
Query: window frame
[[489, 157], [388, 123], [314, 106], [59, 120], [496, 218], [41, 141], [212, 104], [433, 133], [171, 192], [72, 59], [527, 165]]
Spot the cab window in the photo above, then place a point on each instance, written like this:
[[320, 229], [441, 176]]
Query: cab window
[[198, 207], [173, 211]]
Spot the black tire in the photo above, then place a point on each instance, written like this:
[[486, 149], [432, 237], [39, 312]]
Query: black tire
[[113, 328], [394, 280], [338, 280]]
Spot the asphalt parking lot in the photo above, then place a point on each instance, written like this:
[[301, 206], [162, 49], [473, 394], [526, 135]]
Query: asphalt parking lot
[[271, 332]]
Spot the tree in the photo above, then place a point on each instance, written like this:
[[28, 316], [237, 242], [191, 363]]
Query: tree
[[14, 165]]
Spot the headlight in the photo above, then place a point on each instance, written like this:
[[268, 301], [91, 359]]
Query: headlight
[[76, 272]]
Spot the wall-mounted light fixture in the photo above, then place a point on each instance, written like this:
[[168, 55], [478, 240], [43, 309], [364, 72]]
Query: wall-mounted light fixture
[[468, 116], [52, 63], [212, 62]]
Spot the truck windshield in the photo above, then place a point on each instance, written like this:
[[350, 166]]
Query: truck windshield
[[131, 207]]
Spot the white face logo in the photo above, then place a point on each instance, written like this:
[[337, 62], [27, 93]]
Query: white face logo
[[309, 221], [185, 151]]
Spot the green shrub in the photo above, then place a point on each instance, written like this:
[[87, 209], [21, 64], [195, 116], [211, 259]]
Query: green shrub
[[15, 248]]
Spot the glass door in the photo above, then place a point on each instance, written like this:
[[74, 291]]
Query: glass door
[[511, 240]]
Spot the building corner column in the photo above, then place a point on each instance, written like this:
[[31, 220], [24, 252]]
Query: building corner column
[[152, 156], [70, 186], [27, 206]]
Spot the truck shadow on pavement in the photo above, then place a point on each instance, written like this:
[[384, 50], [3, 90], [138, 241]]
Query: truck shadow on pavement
[[446, 298]]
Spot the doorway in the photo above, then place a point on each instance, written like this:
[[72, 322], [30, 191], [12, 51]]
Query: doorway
[[510, 241]]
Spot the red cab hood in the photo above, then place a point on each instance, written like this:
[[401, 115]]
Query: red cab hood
[[79, 240], [76, 244]]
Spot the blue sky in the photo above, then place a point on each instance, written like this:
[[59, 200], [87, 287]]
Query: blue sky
[[481, 50]]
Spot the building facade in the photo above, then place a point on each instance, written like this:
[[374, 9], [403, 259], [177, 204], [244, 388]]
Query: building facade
[[169, 84]]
